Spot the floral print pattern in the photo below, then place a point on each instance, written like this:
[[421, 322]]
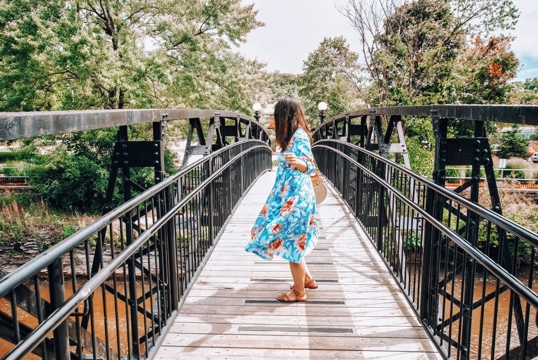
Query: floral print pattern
[[286, 225]]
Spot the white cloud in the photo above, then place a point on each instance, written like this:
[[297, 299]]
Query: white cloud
[[526, 29]]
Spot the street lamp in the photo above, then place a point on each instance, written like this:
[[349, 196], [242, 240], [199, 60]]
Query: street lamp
[[257, 107], [322, 106]]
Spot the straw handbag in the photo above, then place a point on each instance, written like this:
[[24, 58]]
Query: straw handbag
[[320, 190]]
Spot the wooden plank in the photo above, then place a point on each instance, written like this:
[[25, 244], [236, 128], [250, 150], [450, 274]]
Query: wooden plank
[[401, 331], [196, 353], [264, 341], [359, 321], [358, 311]]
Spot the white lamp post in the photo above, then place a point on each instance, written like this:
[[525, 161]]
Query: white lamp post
[[257, 107], [322, 106]]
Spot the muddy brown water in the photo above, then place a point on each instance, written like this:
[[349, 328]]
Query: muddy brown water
[[114, 323]]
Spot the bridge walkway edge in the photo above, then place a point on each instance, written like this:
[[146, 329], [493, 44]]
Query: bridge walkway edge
[[358, 311]]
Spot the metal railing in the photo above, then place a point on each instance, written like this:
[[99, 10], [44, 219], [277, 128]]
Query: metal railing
[[509, 175], [13, 181], [111, 290], [468, 272]]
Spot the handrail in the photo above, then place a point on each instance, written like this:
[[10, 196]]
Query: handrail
[[492, 216], [527, 294], [161, 236], [441, 247], [97, 280], [42, 260]]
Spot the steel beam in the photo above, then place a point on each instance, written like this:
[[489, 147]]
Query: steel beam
[[18, 125]]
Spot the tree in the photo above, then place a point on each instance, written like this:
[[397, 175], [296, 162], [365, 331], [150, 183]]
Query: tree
[[330, 74], [525, 92], [80, 54], [89, 54], [484, 69], [416, 54], [410, 49], [35, 65], [513, 144]]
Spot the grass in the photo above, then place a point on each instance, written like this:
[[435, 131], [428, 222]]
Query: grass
[[25, 218]]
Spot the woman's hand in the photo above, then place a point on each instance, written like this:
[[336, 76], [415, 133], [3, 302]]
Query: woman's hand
[[291, 159]]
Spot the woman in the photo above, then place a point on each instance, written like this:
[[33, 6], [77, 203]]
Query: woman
[[286, 226]]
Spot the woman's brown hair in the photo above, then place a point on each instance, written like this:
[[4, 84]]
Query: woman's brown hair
[[289, 116]]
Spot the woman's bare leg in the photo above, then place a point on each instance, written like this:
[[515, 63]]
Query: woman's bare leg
[[308, 276], [298, 272]]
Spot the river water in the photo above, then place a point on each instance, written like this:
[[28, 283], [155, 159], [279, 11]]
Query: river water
[[115, 320]]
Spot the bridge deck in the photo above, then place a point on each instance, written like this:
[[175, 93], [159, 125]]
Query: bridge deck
[[357, 312]]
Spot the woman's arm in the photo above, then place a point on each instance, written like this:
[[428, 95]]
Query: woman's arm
[[300, 165], [300, 156]]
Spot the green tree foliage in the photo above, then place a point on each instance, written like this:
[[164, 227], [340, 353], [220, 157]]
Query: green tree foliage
[[35, 67], [513, 144], [81, 54], [281, 84], [70, 181], [415, 53], [330, 74], [525, 92], [88, 54]]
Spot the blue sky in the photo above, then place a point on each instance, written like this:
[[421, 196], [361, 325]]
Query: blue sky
[[294, 28]]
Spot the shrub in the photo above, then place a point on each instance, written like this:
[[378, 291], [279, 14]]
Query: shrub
[[14, 171], [68, 230], [8, 155], [420, 157], [513, 144], [69, 181], [513, 171], [469, 172]]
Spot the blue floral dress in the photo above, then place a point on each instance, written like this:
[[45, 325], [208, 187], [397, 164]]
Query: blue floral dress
[[286, 226]]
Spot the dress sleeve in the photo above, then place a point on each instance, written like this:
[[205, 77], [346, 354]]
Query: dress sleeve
[[303, 151]]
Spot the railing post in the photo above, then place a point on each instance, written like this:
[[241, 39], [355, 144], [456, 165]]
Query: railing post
[[210, 205], [132, 297], [57, 298], [380, 206], [430, 254], [172, 251]]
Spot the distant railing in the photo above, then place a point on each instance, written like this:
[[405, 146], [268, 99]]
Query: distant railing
[[468, 271], [114, 287], [13, 181], [13, 176], [512, 175]]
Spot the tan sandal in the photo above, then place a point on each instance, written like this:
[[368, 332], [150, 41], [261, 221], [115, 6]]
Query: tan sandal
[[298, 297], [308, 284]]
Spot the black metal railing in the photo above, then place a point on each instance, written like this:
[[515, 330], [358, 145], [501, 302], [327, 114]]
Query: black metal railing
[[111, 290], [469, 272]]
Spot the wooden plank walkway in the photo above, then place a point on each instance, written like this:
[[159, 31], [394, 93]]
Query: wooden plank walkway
[[358, 311]]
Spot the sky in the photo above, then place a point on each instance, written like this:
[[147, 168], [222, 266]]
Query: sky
[[295, 28]]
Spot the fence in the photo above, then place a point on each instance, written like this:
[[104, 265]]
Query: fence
[[111, 290], [468, 271]]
